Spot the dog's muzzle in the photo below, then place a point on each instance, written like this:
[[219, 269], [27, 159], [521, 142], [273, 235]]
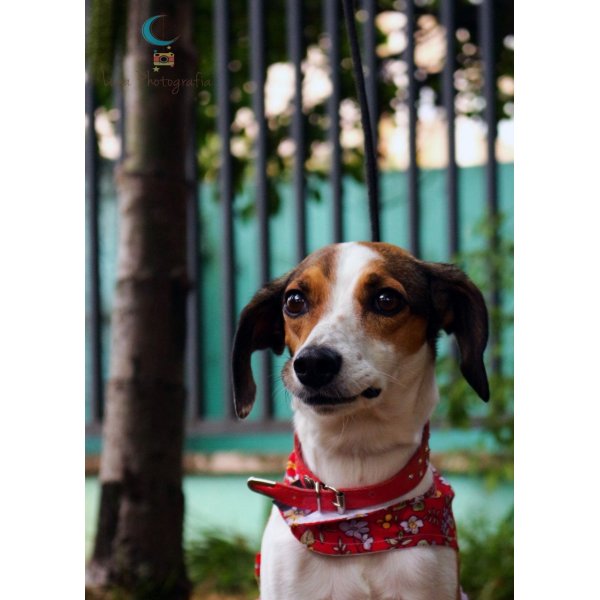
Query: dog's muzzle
[[316, 366]]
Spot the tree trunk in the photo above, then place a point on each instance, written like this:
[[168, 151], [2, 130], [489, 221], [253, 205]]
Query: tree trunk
[[139, 537]]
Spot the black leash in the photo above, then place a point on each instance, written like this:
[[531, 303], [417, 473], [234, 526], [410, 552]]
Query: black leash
[[370, 154]]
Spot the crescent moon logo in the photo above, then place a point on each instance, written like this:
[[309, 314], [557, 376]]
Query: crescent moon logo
[[149, 36]]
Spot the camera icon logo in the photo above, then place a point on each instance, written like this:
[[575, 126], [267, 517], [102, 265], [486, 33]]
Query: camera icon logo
[[164, 59]]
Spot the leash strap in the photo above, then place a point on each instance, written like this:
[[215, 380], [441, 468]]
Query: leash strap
[[370, 151]]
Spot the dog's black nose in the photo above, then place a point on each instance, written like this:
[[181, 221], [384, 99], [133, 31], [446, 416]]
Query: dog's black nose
[[316, 366]]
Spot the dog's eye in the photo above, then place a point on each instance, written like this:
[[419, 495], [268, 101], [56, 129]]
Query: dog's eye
[[388, 302], [295, 303]]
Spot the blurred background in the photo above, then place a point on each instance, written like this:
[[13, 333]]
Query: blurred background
[[258, 117]]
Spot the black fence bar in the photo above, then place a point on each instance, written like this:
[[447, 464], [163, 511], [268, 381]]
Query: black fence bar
[[448, 9], [222, 43], [370, 61], [487, 42], [257, 69], [93, 266], [413, 172], [486, 29], [195, 408], [295, 31], [332, 29], [194, 362], [119, 101]]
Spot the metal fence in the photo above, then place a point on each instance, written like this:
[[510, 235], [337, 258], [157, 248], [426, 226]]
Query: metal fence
[[331, 16]]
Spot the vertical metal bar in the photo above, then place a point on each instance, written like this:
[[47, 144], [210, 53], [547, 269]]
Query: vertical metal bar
[[487, 43], [332, 18], [295, 31], [257, 72], [257, 58], [194, 341], [222, 35], [448, 21], [370, 53], [413, 172], [119, 100], [486, 25], [93, 266], [194, 305]]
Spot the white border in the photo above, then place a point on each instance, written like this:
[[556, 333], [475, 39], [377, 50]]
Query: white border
[[42, 312], [41, 319], [557, 176]]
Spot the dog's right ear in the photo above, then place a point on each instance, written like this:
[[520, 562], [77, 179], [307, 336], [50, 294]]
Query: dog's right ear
[[460, 309], [261, 326]]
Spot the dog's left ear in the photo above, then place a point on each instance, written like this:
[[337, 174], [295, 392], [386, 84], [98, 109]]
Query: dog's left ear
[[460, 309], [261, 326]]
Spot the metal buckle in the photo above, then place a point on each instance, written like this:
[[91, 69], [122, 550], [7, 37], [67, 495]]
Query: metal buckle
[[340, 499], [316, 485]]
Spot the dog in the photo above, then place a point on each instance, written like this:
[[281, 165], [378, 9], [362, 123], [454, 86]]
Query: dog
[[360, 321]]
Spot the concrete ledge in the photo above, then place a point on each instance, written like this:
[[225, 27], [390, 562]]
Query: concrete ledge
[[241, 463]]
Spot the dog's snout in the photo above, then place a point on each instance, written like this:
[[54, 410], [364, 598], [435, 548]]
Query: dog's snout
[[316, 366]]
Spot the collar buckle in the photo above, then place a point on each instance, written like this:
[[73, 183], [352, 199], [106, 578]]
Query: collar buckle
[[317, 486], [340, 499]]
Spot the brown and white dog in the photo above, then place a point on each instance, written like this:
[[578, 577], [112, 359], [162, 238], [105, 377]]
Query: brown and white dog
[[360, 321]]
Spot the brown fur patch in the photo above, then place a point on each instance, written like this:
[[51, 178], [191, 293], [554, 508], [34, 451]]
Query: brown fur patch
[[445, 298], [313, 277], [407, 329], [406, 269]]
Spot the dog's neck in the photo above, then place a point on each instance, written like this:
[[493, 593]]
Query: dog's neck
[[372, 440]]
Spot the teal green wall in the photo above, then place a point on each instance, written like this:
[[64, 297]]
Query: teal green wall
[[394, 218]]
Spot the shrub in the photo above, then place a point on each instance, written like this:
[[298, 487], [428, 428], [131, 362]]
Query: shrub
[[222, 564], [487, 560]]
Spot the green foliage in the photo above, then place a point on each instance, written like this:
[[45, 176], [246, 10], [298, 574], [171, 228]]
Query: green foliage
[[487, 560], [105, 36], [221, 564]]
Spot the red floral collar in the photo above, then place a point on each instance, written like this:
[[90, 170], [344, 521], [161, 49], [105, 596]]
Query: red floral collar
[[363, 520]]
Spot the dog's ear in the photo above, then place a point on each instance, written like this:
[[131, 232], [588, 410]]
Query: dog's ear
[[460, 309], [261, 326]]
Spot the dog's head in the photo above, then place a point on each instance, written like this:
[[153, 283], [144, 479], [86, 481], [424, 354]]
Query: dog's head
[[354, 316]]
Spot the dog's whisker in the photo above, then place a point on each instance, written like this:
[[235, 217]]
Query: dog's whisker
[[397, 381], [345, 421], [342, 429], [279, 389]]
